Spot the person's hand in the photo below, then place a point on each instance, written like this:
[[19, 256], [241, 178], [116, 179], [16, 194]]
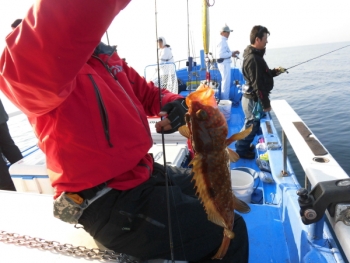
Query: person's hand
[[267, 109], [175, 112], [235, 53], [280, 70]]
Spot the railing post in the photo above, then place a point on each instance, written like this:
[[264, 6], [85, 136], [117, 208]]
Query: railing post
[[284, 172]]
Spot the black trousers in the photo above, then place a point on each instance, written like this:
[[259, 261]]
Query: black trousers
[[135, 222], [12, 154]]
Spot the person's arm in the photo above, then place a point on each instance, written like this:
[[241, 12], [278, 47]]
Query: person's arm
[[172, 105], [223, 50], [146, 92], [44, 54]]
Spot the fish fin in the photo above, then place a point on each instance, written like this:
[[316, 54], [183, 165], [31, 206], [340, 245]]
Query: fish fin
[[223, 248], [234, 157], [184, 131], [240, 205], [215, 217], [202, 191], [239, 136]]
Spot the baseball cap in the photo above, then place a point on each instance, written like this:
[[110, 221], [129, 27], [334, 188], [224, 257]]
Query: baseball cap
[[225, 29]]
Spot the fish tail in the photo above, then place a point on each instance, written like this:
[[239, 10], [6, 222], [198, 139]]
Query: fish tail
[[240, 205], [223, 248]]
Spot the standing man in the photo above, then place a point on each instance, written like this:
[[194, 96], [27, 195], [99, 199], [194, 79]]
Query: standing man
[[9, 150], [224, 62], [259, 83]]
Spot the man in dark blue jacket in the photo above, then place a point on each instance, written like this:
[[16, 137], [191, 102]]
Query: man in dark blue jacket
[[259, 83]]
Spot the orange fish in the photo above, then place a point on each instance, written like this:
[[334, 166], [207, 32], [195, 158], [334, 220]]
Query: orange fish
[[207, 130]]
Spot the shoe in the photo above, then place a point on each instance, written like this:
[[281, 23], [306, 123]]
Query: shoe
[[247, 155]]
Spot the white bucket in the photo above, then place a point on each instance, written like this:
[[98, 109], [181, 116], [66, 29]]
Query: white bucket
[[242, 185], [225, 107]]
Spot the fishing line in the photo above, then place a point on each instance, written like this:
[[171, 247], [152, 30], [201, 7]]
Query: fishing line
[[188, 32], [171, 244], [314, 58]]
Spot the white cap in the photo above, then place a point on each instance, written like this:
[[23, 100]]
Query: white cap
[[225, 29]]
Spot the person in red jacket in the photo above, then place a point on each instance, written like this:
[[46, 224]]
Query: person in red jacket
[[88, 109]]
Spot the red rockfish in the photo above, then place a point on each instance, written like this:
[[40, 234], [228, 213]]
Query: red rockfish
[[206, 128]]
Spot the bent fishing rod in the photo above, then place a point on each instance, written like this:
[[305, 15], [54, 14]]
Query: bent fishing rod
[[286, 69]]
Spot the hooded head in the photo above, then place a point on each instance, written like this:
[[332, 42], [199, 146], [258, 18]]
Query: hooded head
[[162, 43]]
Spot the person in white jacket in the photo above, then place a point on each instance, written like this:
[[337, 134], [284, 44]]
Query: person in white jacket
[[168, 79], [224, 62], [165, 54]]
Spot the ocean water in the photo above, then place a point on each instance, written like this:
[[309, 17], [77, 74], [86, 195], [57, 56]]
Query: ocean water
[[318, 90]]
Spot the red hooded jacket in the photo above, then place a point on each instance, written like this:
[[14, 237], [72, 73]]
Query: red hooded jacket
[[88, 108]]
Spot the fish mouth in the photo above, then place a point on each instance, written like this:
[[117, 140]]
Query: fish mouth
[[203, 95]]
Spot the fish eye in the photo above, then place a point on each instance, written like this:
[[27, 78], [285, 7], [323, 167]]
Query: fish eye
[[202, 115]]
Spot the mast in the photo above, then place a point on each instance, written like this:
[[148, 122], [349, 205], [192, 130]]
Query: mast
[[206, 33]]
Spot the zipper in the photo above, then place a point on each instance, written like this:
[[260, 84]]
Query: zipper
[[127, 95], [103, 111]]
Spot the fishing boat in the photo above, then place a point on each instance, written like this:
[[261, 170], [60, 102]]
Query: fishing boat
[[288, 221]]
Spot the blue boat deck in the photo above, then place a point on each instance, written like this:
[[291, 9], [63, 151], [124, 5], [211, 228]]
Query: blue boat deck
[[276, 232], [266, 235]]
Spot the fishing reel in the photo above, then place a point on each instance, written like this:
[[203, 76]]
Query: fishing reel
[[331, 195], [282, 70]]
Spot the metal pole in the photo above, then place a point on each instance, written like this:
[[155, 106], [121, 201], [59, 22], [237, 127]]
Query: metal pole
[[315, 231], [284, 154]]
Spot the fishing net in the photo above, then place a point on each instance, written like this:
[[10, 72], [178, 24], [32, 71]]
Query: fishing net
[[167, 73]]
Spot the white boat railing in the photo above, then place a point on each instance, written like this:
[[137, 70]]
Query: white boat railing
[[317, 168]]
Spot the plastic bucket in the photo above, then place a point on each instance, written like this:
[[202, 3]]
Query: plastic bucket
[[225, 107], [242, 183]]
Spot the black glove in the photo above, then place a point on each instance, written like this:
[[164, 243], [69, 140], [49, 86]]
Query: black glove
[[176, 114]]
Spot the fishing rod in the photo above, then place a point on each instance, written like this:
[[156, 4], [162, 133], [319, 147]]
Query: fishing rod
[[171, 244], [286, 69]]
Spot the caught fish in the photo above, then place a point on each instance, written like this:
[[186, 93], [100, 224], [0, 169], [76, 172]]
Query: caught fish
[[207, 130]]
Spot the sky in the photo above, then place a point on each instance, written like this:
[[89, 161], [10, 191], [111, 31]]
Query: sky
[[136, 28]]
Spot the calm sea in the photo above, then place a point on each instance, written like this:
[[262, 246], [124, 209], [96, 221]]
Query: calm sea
[[319, 92]]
